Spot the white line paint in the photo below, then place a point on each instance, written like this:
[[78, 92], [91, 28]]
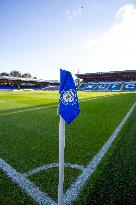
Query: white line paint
[[31, 109], [30, 188], [95, 98], [50, 106], [53, 165], [73, 192]]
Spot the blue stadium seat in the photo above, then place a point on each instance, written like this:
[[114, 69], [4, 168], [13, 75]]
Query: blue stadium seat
[[115, 87], [7, 87], [129, 87], [82, 86], [90, 87], [102, 87]]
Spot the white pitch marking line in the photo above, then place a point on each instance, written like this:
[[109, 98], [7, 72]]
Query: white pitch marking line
[[31, 109], [95, 98], [49, 166], [30, 188], [73, 192], [39, 108]]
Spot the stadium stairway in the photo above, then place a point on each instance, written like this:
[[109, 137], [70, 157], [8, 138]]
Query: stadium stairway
[[95, 87], [108, 87], [121, 86]]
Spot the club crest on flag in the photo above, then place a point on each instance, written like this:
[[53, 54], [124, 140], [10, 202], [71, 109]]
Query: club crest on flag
[[68, 97]]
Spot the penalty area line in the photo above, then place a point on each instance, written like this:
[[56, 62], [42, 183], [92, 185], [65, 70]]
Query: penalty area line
[[73, 192]]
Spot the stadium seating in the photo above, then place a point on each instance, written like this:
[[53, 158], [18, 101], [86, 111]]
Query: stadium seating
[[102, 87], [114, 87], [32, 87], [82, 86], [129, 87], [90, 86], [7, 87], [108, 86]]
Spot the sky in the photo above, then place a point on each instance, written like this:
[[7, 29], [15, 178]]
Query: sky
[[82, 36]]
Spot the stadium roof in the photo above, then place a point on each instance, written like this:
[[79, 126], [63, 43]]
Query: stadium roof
[[27, 79], [110, 72]]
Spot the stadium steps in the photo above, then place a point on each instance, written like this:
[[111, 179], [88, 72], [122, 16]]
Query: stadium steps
[[121, 88], [94, 89], [108, 87]]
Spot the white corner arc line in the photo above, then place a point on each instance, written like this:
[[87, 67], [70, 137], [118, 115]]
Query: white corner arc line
[[53, 165], [30, 188], [50, 106], [73, 192]]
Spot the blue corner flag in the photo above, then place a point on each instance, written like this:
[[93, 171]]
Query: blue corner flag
[[68, 106]]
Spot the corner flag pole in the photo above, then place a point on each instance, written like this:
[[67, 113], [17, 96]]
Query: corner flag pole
[[68, 109], [61, 159]]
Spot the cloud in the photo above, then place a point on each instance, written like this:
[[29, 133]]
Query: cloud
[[72, 14], [91, 44], [116, 47]]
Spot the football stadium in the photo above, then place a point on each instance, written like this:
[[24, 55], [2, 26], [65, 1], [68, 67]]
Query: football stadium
[[99, 154]]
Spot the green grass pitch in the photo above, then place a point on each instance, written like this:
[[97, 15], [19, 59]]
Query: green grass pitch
[[29, 139]]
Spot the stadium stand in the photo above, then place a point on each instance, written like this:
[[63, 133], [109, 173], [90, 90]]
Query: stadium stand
[[90, 86], [13, 83], [115, 87], [102, 87], [82, 86], [7, 87], [110, 81], [129, 87]]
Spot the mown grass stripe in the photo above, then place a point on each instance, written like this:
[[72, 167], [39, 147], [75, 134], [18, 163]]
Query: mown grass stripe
[[45, 107], [31, 109], [96, 98], [73, 192]]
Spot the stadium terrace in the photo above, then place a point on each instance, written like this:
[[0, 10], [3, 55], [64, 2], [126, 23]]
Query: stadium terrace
[[108, 81], [16, 83]]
